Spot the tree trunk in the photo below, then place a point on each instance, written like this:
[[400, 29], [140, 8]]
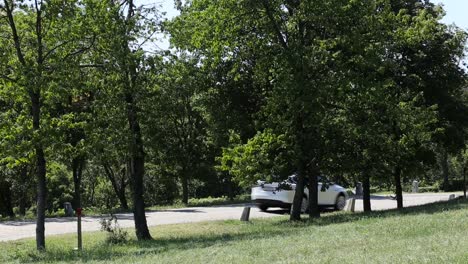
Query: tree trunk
[[229, 187], [77, 167], [184, 188], [314, 210], [22, 204], [445, 169], [137, 154], [366, 192], [5, 199], [464, 180], [34, 90], [398, 189], [137, 171], [119, 189], [298, 197], [41, 198], [121, 194], [40, 174], [23, 191]]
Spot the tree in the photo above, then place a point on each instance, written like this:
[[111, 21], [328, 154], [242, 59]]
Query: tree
[[425, 55], [122, 35], [41, 40], [176, 122], [292, 40]]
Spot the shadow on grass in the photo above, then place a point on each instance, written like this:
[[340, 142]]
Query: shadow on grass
[[344, 217], [105, 252], [259, 229]]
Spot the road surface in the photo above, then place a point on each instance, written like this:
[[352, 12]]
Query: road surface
[[13, 230]]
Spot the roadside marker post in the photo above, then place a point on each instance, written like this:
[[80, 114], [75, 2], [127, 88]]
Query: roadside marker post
[[245, 214], [351, 205]]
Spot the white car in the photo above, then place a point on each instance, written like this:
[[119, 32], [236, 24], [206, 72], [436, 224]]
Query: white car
[[276, 194]]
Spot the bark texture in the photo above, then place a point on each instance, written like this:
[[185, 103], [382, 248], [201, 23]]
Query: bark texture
[[366, 192], [398, 188]]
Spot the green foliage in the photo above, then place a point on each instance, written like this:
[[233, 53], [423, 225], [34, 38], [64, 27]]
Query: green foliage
[[263, 157], [60, 186]]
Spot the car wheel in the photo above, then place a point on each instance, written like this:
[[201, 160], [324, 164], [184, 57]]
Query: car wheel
[[340, 202], [305, 205], [263, 207]]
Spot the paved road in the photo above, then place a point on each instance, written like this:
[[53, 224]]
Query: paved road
[[22, 229], [385, 202]]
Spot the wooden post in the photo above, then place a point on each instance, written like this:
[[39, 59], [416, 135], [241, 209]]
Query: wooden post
[[351, 205], [245, 214]]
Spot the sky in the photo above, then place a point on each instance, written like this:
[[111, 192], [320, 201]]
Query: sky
[[456, 13]]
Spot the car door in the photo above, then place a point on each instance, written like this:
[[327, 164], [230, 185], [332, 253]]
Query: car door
[[326, 195]]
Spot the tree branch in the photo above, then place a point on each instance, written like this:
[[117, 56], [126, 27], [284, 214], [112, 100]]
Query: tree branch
[[79, 51], [3, 76], [40, 47], [11, 22], [277, 29]]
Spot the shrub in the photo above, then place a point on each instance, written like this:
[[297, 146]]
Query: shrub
[[453, 185], [115, 234]]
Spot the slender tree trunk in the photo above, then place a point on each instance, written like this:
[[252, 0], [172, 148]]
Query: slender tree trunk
[[398, 189], [119, 189], [445, 169], [34, 88], [301, 165], [121, 194], [464, 181], [230, 187], [40, 174], [8, 201], [184, 188], [298, 197], [23, 191], [22, 204], [314, 210], [123, 199], [77, 167], [137, 154], [137, 171], [5, 199], [366, 192], [41, 198]]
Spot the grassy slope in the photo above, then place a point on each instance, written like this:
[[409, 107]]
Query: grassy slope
[[428, 234]]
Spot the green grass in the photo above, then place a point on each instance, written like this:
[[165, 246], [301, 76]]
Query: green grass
[[436, 233], [208, 201]]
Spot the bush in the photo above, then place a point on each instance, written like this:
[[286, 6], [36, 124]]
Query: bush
[[115, 234], [218, 200], [31, 212], [454, 185], [428, 189]]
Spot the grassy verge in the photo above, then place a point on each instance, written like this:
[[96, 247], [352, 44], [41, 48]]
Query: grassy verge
[[209, 201], [436, 233]]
